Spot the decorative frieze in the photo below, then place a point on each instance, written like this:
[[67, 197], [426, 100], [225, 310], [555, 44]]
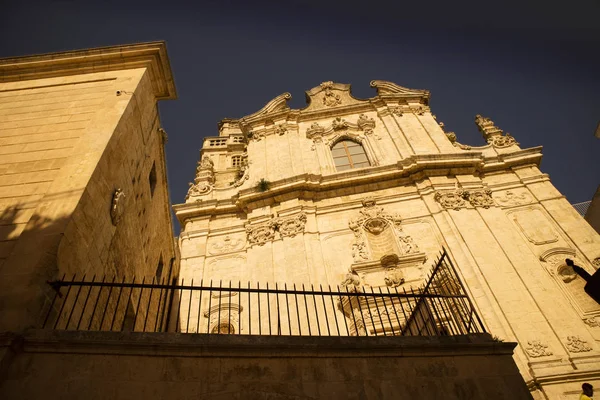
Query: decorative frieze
[[458, 198], [536, 348], [117, 207], [577, 345], [276, 228]]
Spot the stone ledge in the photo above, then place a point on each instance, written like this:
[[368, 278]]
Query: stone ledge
[[258, 346], [151, 55]]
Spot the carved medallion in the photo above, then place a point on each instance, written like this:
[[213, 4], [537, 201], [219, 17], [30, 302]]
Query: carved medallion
[[480, 198], [577, 345], [451, 199], [281, 129], [117, 207], [276, 227], [592, 322], [535, 349]]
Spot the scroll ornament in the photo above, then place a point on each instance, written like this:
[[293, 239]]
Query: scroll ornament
[[276, 227]]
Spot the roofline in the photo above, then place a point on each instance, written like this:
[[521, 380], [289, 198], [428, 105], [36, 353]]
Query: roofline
[[150, 55]]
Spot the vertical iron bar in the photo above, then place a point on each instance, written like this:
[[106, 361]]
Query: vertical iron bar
[[306, 306], [64, 301], [325, 310], [199, 306], [269, 307], [334, 313], [137, 308], [178, 320], [107, 301], [117, 306], [171, 297], [85, 303], [160, 292], [411, 315], [240, 308], [75, 303], [352, 312], [316, 311], [339, 292], [378, 313], [259, 318], [187, 325], [96, 304], [402, 330], [249, 313], [287, 304], [219, 312], [297, 311], [370, 312], [362, 317], [149, 304], [229, 315], [209, 309], [127, 305], [387, 312], [278, 313]]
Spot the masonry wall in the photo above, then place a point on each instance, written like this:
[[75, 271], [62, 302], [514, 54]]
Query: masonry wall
[[155, 366], [68, 143]]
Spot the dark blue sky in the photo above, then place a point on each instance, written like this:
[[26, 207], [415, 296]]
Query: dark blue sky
[[530, 66]]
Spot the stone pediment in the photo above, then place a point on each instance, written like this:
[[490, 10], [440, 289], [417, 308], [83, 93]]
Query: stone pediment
[[329, 95], [387, 89]]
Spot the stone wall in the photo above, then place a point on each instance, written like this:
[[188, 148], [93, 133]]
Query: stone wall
[[100, 365], [75, 127]]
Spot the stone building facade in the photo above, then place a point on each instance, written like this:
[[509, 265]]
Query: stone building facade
[[371, 190], [83, 185]]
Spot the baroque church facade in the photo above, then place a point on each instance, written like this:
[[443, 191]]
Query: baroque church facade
[[366, 192]]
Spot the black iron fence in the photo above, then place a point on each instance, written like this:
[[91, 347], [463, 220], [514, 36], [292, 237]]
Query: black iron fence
[[439, 307]]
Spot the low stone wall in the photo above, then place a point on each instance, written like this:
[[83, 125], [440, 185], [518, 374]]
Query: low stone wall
[[108, 365]]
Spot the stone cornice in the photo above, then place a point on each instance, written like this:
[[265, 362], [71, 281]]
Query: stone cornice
[[307, 185], [151, 55]]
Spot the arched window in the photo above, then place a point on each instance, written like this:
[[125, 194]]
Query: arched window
[[348, 155]]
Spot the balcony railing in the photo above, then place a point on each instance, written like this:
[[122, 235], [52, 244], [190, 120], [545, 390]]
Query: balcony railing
[[439, 307]]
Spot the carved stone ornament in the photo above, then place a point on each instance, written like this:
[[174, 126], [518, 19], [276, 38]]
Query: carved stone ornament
[[451, 199], [351, 282], [364, 124], [374, 220], [577, 345], [260, 234], [330, 99], [292, 226], [393, 277], [480, 198], [592, 322], [275, 228], [412, 109], [198, 189], [502, 141], [535, 349], [205, 163], [457, 198], [452, 138], [227, 245], [596, 262], [281, 129], [117, 207], [243, 173], [509, 198]]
